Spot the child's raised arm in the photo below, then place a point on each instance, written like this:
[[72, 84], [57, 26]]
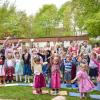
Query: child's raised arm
[[17, 44], [4, 44]]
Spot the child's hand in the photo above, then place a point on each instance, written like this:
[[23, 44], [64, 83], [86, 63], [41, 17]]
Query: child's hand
[[72, 81], [8, 37], [45, 63]]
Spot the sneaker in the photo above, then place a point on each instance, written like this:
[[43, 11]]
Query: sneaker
[[24, 81], [7, 81], [57, 92], [54, 93], [28, 81]]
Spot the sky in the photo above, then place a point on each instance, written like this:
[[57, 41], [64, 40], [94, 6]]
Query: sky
[[32, 6]]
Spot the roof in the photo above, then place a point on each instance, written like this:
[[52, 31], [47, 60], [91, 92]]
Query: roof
[[53, 39]]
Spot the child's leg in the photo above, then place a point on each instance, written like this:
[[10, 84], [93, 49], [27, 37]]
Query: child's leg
[[54, 92], [85, 95], [28, 79], [69, 81], [3, 79], [20, 76], [25, 78], [82, 95], [16, 78], [37, 90], [11, 77], [8, 78], [40, 91], [57, 90]]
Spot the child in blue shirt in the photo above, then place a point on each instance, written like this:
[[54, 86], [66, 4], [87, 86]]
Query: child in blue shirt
[[67, 70]]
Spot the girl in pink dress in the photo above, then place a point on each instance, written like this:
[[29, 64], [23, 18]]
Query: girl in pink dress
[[85, 84], [55, 74]]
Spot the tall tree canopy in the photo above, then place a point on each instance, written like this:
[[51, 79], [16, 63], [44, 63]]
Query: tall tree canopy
[[13, 22], [87, 16], [83, 15], [45, 21]]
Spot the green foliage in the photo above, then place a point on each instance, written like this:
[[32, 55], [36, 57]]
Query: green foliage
[[65, 15], [45, 21], [13, 23], [87, 16], [44, 24], [93, 41], [85, 13]]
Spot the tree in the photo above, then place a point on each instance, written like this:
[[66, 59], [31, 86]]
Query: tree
[[45, 21], [65, 15], [12, 22], [85, 12]]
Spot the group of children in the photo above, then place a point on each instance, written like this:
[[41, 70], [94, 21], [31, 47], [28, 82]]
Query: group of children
[[52, 65]]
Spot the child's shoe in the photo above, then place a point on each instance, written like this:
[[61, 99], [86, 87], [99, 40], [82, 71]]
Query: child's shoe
[[7, 81], [28, 81], [54, 93], [40, 92]]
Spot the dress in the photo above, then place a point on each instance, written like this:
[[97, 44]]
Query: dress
[[9, 64], [55, 76], [27, 65], [85, 84], [18, 67], [39, 79]]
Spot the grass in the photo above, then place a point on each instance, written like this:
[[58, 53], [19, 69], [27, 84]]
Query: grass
[[25, 93]]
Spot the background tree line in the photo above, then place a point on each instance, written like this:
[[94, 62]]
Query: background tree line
[[73, 18]]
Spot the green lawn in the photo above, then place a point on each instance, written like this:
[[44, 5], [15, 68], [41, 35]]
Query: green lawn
[[25, 93]]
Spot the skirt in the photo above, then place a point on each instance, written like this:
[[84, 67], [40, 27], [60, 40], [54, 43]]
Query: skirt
[[55, 80], [39, 81], [93, 72], [27, 69], [10, 71], [18, 69]]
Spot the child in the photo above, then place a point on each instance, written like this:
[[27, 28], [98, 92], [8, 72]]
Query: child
[[9, 64], [98, 79], [18, 66], [63, 57], [39, 80], [67, 70], [27, 65], [74, 64], [85, 84], [93, 71], [2, 68], [55, 74]]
